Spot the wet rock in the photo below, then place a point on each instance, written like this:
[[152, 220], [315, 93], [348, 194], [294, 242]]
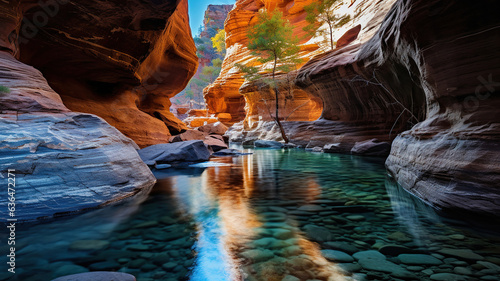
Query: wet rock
[[447, 277], [318, 233], [311, 208], [189, 151], [349, 268], [462, 270], [229, 152], [465, 254], [169, 265], [290, 278], [291, 251], [138, 263], [356, 217], [371, 147], [257, 255], [282, 234], [89, 245], [341, 246], [370, 254], [457, 236], [383, 265], [419, 259], [394, 250], [399, 236], [268, 144], [97, 276], [336, 256]]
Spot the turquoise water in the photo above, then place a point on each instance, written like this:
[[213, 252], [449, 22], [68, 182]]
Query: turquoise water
[[274, 215]]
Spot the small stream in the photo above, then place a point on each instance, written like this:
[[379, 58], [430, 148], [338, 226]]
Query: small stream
[[274, 215]]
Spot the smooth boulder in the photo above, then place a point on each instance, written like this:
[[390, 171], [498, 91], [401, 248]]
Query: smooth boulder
[[186, 151], [97, 276]]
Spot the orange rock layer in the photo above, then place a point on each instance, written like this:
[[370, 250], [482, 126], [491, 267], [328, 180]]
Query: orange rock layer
[[224, 95], [119, 61]]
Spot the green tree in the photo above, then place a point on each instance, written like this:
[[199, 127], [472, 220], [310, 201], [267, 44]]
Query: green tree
[[272, 40], [4, 89], [219, 42], [323, 12]]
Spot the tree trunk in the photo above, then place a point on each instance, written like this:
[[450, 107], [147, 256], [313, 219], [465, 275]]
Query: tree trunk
[[331, 36], [276, 93]]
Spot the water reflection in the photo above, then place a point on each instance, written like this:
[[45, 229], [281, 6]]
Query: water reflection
[[267, 216]]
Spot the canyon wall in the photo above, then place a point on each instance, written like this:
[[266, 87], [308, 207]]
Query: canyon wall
[[225, 95], [119, 61], [433, 65]]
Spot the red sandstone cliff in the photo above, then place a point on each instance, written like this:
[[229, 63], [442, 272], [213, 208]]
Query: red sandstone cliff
[[120, 62], [225, 95]]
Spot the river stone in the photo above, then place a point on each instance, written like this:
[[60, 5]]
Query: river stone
[[462, 270], [318, 233], [447, 277], [98, 276], [68, 269], [356, 217], [292, 251], [394, 250], [419, 259], [268, 144], [88, 245], [337, 256], [282, 234], [349, 267], [465, 254], [311, 208], [383, 265], [370, 254], [138, 247], [399, 236], [169, 265], [341, 246], [138, 263], [290, 278], [278, 209], [184, 151], [489, 265], [259, 255]]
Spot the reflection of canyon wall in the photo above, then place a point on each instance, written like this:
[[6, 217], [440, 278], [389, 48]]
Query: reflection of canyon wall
[[224, 96], [266, 245], [120, 62]]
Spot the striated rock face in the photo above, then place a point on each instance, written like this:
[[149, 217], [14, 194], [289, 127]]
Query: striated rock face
[[215, 15], [61, 158], [224, 96], [434, 72], [451, 159], [119, 61]]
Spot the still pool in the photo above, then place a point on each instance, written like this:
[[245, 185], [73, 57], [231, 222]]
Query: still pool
[[274, 215]]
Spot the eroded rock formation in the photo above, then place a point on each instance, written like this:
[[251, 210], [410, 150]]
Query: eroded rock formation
[[426, 65], [225, 95], [62, 161], [120, 62]]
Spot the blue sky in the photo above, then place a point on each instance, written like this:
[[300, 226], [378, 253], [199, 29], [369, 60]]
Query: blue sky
[[197, 11]]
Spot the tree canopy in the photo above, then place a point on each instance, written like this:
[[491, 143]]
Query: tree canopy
[[219, 42], [323, 12]]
